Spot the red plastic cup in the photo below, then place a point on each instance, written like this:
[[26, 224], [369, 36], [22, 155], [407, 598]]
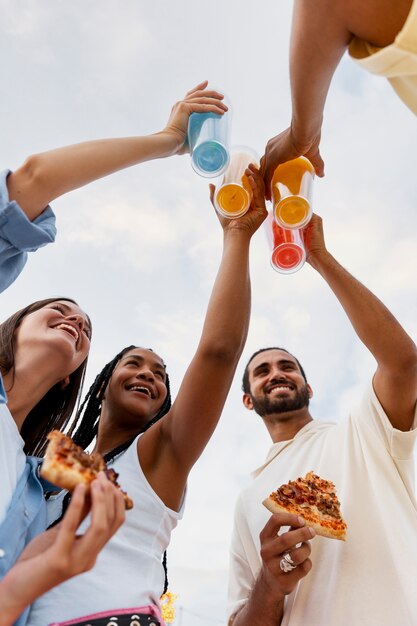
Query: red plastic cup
[[288, 251]]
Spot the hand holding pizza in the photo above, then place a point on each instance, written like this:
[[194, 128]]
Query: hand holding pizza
[[285, 556], [60, 553]]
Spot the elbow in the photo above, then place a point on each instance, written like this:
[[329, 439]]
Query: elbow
[[226, 351], [407, 361], [32, 174]]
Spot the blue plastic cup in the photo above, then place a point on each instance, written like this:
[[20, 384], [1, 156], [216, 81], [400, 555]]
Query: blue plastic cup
[[209, 141]]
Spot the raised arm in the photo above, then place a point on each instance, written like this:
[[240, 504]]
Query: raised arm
[[46, 176], [395, 380], [321, 32], [59, 553], [168, 450]]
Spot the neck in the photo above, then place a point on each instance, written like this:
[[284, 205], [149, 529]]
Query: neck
[[112, 434], [284, 426], [25, 387]]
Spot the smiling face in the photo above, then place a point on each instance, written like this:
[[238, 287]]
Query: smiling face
[[276, 384], [137, 388], [59, 332]]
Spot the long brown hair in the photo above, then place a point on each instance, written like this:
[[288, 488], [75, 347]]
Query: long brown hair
[[54, 410]]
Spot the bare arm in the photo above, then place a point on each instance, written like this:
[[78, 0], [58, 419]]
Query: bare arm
[[59, 553], [395, 380], [321, 32], [46, 176], [168, 450], [265, 605]]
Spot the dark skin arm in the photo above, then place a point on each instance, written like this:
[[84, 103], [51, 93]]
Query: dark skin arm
[[169, 449], [395, 379], [321, 32]]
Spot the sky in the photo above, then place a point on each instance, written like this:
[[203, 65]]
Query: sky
[[139, 250]]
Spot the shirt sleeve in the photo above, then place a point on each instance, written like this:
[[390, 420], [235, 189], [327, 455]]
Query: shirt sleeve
[[373, 425], [18, 235], [241, 578]]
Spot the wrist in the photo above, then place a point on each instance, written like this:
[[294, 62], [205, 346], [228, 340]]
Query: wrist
[[319, 258], [170, 142], [304, 133]]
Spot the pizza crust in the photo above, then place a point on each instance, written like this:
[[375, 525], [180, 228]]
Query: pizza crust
[[323, 531], [60, 468]]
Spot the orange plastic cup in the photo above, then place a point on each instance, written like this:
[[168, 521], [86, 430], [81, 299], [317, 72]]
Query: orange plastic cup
[[287, 245], [234, 194], [292, 192]]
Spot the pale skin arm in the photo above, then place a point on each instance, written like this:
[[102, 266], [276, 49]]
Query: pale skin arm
[[46, 176], [169, 449], [59, 553], [395, 380], [265, 604], [321, 32]]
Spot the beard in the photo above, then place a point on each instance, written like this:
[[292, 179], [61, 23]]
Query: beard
[[268, 406]]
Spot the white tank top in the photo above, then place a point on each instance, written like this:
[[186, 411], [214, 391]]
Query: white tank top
[[128, 572]]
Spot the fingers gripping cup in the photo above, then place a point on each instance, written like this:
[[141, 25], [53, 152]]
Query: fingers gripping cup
[[291, 193], [234, 195], [209, 140], [288, 251]]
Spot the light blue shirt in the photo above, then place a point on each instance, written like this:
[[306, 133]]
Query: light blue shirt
[[18, 235], [3, 398]]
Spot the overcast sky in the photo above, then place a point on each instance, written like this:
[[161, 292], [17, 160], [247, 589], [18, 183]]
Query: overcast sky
[[140, 249]]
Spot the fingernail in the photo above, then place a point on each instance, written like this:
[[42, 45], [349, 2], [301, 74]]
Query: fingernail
[[312, 532], [301, 521]]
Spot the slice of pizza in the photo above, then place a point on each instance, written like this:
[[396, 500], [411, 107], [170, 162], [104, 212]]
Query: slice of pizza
[[66, 465], [314, 499]]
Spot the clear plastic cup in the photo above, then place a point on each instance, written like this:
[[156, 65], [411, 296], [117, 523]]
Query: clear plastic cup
[[292, 192], [287, 245], [209, 142], [233, 196]]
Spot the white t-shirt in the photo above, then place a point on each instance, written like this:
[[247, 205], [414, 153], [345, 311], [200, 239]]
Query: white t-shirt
[[369, 580], [128, 572], [12, 458]]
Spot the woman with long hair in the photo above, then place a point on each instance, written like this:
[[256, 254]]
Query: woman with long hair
[[44, 346]]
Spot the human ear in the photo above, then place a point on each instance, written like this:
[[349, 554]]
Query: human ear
[[64, 383], [247, 401], [310, 391]]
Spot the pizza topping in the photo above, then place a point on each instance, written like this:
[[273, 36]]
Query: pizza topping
[[314, 499], [311, 492], [67, 464]]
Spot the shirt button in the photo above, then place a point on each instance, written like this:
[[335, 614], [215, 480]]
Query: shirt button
[[2, 553]]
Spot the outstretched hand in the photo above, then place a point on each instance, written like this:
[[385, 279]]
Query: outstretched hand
[[256, 213], [197, 100], [285, 147], [314, 239]]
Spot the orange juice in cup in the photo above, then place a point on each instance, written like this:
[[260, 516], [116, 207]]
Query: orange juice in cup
[[291, 193], [287, 245], [234, 194]]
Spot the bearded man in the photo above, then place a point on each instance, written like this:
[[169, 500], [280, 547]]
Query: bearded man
[[291, 579]]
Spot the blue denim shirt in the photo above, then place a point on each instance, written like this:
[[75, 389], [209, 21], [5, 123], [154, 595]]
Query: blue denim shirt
[[26, 516], [18, 235]]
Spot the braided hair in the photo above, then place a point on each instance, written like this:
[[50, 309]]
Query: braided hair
[[85, 426]]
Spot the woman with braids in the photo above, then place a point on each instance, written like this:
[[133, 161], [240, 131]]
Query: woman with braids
[[153, 445], [43, 347]]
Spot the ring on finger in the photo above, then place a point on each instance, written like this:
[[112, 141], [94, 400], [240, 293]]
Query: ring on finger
[[288, 558], [286, 564]]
